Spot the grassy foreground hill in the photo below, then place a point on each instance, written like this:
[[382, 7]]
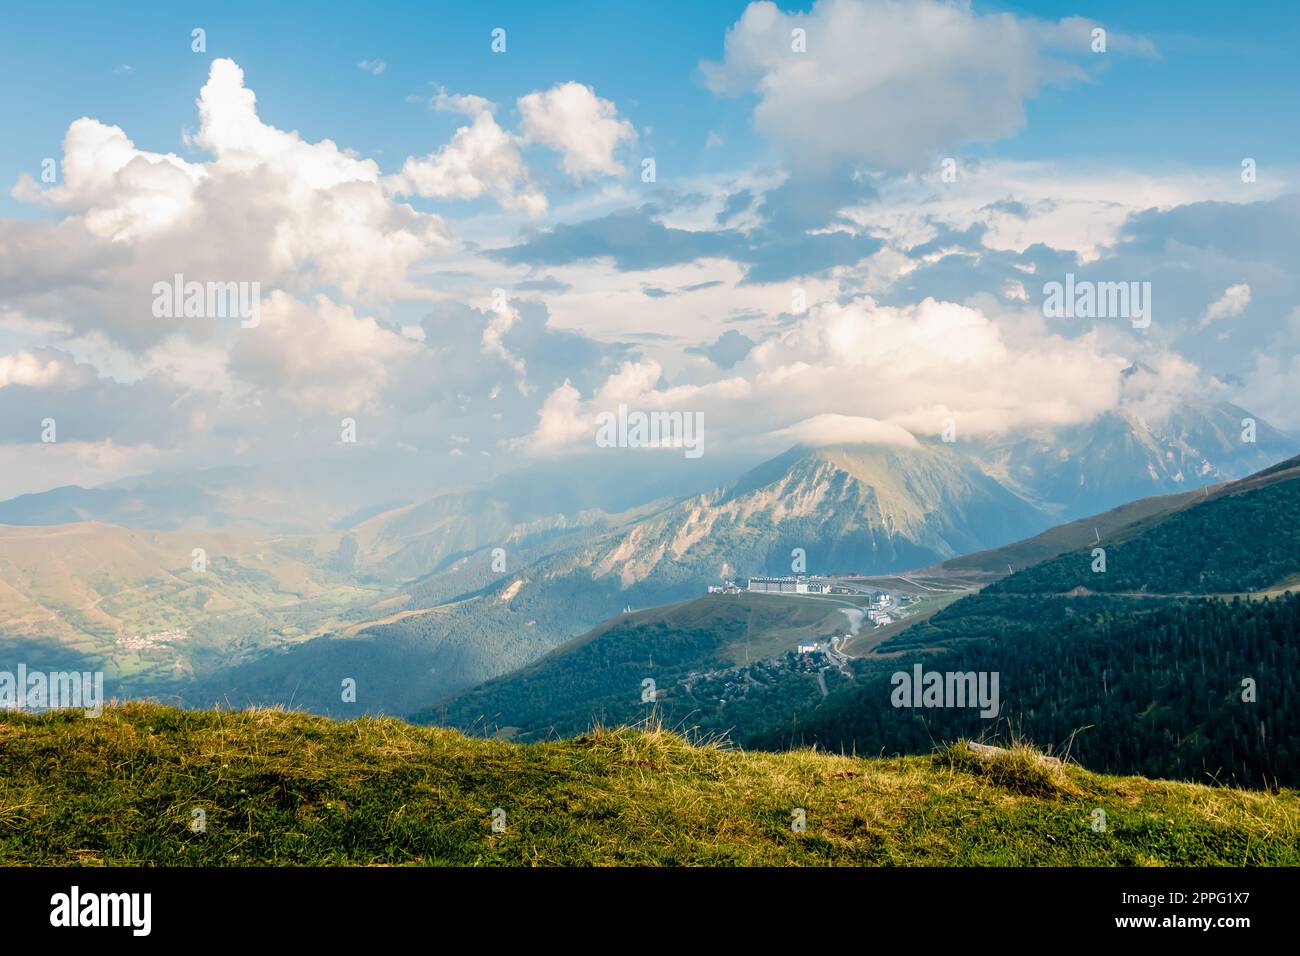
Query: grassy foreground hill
[[285, 788]]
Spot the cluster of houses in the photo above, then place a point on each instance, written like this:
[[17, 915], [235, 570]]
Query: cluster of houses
[[882, 610], [144, 642], [728, 684]]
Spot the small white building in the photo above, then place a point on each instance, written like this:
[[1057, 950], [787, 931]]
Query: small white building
[[785, 585]]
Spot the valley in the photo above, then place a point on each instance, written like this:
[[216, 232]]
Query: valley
[[149, 612]]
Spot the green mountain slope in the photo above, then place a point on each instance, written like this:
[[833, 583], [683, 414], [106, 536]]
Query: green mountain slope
[[1243, 537], [598, 678], [1185, 689], [1073, 536], [281, 788]]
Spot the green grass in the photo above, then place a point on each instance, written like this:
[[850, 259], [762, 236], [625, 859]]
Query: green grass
[[288, 788], [777, 622]]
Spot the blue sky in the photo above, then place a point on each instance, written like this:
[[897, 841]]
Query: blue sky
[[303, 56], [460, 250], [1223, 76]]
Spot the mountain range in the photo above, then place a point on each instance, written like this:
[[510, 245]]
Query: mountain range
[[420, 600]]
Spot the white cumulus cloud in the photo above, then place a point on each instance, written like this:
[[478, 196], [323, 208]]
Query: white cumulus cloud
[[481, 159], [890, 83], [572, 120]]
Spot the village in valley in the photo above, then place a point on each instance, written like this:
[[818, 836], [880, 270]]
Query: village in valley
[[865, 603]]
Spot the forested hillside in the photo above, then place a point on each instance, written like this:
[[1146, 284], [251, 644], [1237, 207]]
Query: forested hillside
[[1237, 541], [1123, 664], [1199, 689]]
